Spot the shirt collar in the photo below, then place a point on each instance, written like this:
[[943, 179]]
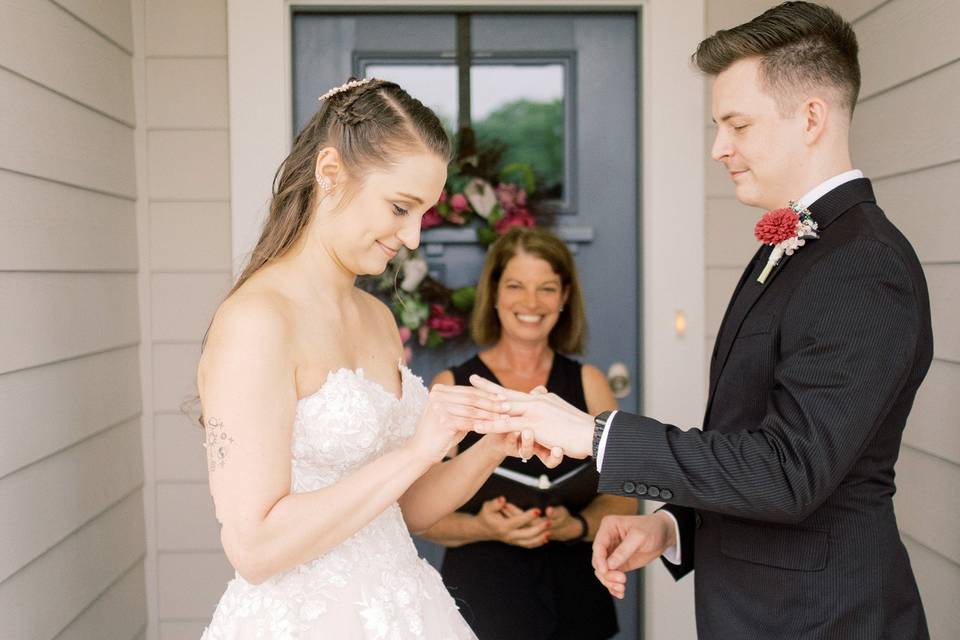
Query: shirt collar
[[827, 186]]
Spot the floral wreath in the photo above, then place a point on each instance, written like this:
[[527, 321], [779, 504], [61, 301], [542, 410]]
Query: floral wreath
[[476, 195]]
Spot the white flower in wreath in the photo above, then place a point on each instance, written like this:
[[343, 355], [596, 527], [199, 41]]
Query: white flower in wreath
[[414, 271], [481, 196]]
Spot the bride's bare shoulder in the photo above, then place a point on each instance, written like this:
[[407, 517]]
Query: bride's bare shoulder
[[254, 320]]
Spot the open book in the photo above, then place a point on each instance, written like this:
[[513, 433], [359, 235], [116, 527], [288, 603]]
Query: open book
[[574, 489]]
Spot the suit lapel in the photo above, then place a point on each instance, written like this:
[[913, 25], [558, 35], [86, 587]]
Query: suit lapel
[[825, 211]]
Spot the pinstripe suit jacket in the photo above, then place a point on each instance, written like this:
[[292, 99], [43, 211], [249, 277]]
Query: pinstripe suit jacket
[[784, 499]]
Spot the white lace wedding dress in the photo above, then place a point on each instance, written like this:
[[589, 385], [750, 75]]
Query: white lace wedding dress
[[374, 584]]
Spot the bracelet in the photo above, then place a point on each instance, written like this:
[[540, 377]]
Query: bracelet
[[585, 529]]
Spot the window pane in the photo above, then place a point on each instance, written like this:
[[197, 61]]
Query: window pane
[[522, 107], [435, 85]]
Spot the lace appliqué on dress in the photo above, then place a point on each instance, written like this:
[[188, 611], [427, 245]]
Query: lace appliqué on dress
[[373, 585]]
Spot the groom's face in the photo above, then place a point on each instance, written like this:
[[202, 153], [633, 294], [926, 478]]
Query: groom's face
[[761, 149]]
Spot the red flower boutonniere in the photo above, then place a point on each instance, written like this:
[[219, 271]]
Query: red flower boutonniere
[[786, 230]]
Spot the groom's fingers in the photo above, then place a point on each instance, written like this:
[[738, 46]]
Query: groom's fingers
[[629, 546], [493, 388]]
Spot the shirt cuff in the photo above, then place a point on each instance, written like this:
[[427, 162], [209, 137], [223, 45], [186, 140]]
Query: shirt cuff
[[672, 554], [603, 439]]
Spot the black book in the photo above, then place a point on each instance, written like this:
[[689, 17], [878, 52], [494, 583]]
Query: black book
[[574, 489]]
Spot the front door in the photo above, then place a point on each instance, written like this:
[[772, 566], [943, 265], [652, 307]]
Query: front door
[[579, 69]]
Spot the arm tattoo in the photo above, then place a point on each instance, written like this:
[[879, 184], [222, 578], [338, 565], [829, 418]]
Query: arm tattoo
[[217, 443]]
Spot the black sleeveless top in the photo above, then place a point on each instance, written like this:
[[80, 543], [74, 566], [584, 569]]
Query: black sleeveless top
[[549, 593]]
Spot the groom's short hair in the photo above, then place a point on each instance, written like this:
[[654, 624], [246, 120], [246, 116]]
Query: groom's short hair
[[800, 45]]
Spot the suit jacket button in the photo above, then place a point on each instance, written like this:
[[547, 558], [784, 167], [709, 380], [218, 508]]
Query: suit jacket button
[[653, 492], [641, 489], [666, 494], [698, 520], [629, 487]]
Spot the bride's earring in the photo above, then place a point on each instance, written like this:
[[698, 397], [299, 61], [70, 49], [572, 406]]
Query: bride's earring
[[325, 185]]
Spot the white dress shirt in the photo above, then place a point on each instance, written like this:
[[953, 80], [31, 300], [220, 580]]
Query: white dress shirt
[[672, 554]]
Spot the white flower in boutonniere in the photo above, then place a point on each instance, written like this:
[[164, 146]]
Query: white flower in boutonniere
[[786, 230]]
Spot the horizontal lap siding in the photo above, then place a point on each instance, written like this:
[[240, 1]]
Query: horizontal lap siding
[[71, 469]]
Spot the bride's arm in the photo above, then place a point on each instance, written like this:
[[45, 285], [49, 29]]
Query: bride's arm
[[446, 487], [249, 399]]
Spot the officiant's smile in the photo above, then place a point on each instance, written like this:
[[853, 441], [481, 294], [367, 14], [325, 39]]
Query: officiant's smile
[[530, 298]]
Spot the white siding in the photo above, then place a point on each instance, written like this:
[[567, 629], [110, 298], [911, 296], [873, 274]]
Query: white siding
[[905, 138], [186, 253], [71, 473]]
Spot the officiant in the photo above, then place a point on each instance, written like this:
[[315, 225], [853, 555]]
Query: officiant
[[518, 558]]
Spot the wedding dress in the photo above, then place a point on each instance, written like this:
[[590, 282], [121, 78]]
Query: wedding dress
[[374, 584]]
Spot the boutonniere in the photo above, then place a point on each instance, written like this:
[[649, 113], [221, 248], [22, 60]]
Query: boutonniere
[[786, 230]]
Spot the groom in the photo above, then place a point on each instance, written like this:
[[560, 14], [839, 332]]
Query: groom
[[783, 502]]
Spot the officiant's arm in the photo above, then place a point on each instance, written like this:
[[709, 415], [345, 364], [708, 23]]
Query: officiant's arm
[[847, 341]]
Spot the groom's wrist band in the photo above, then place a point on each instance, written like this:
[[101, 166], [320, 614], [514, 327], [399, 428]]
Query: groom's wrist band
[[599, 424]]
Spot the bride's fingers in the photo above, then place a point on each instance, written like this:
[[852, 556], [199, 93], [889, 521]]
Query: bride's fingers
[[472, 397], [464, 411], [505, 424], [538, 391], [526, 450]]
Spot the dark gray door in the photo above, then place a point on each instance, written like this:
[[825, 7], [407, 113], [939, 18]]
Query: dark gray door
[[589, 62]]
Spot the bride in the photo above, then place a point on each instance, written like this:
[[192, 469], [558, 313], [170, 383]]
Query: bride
[[323, 448]]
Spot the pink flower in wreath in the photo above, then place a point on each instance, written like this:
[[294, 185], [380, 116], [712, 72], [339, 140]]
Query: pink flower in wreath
[[458, 202], [447, 326], [443, 196], [405, 334], [456, 217], [519, 217], [510, 196], [431, 218]]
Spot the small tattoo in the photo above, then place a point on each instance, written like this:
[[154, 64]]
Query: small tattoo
[[217, 443]]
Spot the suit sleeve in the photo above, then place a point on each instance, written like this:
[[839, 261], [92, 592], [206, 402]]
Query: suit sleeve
[[847, 346]]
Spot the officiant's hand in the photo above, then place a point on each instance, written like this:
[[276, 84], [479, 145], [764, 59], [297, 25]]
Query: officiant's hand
[[625, 543], [554, 423], [508, 523]]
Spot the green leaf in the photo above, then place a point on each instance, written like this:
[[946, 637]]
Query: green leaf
[[433, 339], [486, 236], [463, 298], [522, 171]]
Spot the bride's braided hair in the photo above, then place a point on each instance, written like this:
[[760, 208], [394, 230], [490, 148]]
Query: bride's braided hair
[[370, 124]]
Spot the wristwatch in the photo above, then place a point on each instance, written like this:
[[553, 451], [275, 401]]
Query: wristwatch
[[599, 424]]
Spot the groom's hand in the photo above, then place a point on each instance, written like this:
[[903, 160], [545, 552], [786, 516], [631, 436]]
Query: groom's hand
[[555, 423], [625, 543]]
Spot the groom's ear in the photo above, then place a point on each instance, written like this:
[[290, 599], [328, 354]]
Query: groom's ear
[[814, 114]]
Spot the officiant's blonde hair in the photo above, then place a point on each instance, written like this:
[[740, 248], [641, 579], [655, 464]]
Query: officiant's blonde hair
[[569, 334]]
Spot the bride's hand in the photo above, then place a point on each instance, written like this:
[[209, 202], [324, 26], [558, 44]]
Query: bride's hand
[[451, 412]]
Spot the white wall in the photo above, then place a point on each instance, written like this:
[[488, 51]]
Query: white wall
[[71, 477], [907, 141], [185, 261]]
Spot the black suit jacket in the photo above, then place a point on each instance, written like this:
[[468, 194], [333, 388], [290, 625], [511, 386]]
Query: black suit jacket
[[784, 499]]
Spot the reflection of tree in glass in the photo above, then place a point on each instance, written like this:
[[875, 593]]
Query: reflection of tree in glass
[[532, 133]]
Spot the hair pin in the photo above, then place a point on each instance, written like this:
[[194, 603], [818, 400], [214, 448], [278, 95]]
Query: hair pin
[[344, 87]]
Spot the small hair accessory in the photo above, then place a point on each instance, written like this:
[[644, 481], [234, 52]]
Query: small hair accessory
[[344, 87]]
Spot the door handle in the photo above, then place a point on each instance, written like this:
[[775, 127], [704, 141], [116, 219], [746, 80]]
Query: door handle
[[618, 377]]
